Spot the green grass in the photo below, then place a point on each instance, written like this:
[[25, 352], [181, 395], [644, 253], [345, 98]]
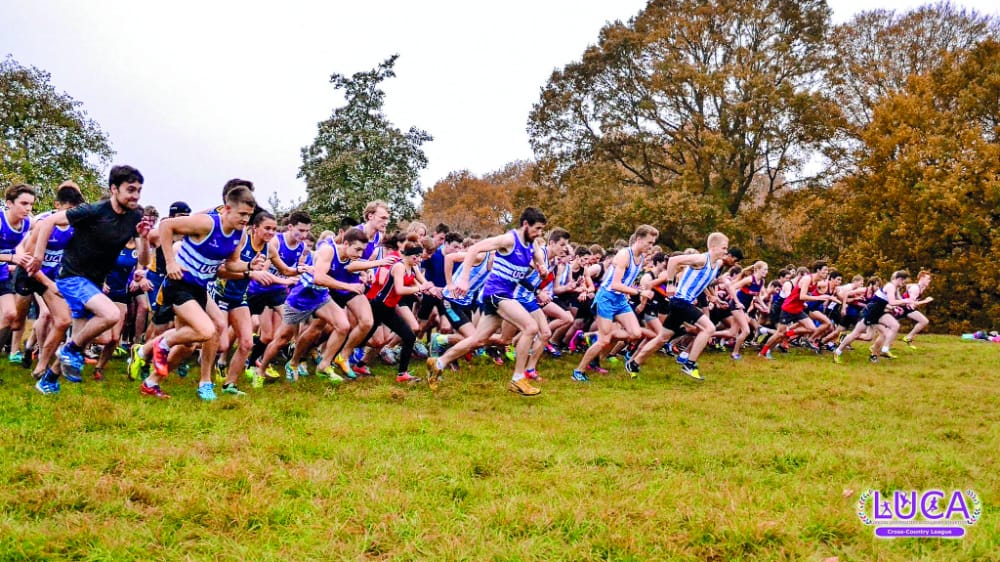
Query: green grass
[[763, 461]]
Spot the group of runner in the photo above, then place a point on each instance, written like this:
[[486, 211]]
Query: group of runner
[[247, 295]]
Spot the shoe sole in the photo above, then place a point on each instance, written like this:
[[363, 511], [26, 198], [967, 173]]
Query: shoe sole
[[517, 390]]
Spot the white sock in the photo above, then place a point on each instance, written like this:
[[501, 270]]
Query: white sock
[[885, 349], [684, 356], [517, 377]]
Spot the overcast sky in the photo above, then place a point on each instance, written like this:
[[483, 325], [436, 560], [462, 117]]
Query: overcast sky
[[194, 93]]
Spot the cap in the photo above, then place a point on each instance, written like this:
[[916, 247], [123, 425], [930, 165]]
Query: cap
[[179, 208]]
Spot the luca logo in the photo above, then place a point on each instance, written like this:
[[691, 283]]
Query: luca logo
[[909, 514]]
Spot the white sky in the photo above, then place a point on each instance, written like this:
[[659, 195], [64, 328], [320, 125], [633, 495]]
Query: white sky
[[195, 93]]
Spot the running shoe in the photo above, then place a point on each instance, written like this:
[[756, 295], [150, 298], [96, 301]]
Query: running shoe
[[510, 353], [420, 350], [256, 381], [580, 376], [153, 391], [837, 357], [137, 367], [388, 356], [362, 370], [219, 372], [72, 363], [439, 343], [690, 368], [291, 373], [632, 368], [735, 356], [160, 365], [249, 373], [577, 336], [330, 373], [184, 368], [121, 350], [596, 367], [344, 366], [909, 344], [31, 355], [303, 369], [230, 388], [98, 375], [206, 391], [433, 373], [46, 387], [873, 358], [532, 374], [766, 355], [523, 387], [553, 350], [889, 355], [271, 375], [16, 357], [406, 377]]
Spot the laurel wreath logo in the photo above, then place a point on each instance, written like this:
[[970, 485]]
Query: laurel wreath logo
[[977, 505], [862, 503]]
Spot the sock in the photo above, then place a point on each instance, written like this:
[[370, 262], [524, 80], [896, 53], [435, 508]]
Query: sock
[[517, 377], [790, 334], [71, 346], [764, 350], [885, 349], [163, 344], [439, 364], [257, 351]]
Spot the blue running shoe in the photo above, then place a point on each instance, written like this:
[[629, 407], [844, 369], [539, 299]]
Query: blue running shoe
[[357, 355], [206, 391], [580, 376], [46, 387], [72, 364]]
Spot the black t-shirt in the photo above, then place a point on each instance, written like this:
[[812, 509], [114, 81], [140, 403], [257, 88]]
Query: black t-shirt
[[99, 234]]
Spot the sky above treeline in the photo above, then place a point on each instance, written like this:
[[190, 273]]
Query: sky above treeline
[[195, 93]]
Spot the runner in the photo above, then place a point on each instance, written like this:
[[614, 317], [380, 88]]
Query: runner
[[100, 232]]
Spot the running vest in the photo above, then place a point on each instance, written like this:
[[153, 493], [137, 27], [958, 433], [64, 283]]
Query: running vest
[[236, 289], [338, 270], [632, 272], [373, 251], [290, 256], [201, 261], [54, 248], [695, 281], [120, 276], [509, 269], [524, 291], [387, 294], [477, 278], [9, 239], [378, 284], [793, 303]]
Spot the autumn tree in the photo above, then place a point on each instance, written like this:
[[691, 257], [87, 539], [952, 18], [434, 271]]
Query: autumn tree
[[876, 52], [47, 136], [701, 97], [359, 155], [927, 190], [467, 203]]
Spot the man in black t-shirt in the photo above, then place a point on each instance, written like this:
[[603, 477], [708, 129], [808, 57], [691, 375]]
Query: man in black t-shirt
[[100, 231]]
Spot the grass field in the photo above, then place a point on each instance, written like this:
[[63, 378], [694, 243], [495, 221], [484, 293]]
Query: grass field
[[763, 461]]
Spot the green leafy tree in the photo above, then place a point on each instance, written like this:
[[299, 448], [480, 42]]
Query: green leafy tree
[[47, 137], [360, 156]]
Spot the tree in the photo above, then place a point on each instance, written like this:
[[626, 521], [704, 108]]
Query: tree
[[47, 136], [692, 95], [359, 156], [927, 190], [876, 52], [470, 204]]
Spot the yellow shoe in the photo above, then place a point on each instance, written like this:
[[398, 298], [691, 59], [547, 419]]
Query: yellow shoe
[[433, 373], [272, 375], [330, 373], [909, 344], [523, 387], [256, 380], [340, 362]]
